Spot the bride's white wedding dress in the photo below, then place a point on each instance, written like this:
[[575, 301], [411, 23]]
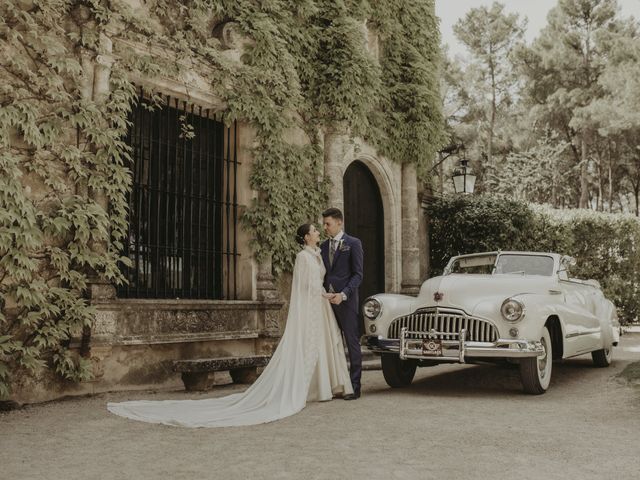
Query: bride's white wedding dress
[[308, 365]]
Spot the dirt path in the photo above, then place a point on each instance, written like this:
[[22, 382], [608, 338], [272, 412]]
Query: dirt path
[[455, 422]]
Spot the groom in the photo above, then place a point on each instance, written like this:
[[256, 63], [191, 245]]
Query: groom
[[342, 256]]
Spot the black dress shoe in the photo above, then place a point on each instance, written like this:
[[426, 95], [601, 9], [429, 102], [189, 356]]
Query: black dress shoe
[[352, 396]]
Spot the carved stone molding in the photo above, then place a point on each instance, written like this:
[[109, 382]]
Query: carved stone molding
[[140, 322], [104, 326], [231, 36], [272, 323], [265, 282], [101, 291]]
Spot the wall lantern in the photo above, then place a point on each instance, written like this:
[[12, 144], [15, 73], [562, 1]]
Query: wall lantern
[[464, 179]]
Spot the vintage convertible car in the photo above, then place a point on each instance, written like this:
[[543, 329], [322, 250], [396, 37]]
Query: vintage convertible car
[[517, 306]]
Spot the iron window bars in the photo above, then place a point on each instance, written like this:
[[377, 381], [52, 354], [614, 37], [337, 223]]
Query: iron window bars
[[183, 205]]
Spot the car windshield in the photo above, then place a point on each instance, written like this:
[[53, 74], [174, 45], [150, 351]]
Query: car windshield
[[524, 264], [502, 264], [477, 264]]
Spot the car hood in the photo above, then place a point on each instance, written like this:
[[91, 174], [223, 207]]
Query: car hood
[[467, 291]]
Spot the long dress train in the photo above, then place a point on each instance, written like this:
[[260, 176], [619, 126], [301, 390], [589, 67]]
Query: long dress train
[[308, 364]]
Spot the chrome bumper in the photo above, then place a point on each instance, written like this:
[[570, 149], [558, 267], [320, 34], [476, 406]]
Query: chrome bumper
[[454, 350]]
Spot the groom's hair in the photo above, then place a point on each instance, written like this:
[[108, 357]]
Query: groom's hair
[[333, 213]]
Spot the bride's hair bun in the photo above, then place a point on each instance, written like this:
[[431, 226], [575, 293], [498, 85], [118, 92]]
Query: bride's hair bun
[[301, 232]]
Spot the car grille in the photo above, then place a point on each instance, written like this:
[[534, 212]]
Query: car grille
[[448, 321]]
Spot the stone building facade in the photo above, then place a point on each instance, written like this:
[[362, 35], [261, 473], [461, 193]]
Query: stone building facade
[[134, 341]]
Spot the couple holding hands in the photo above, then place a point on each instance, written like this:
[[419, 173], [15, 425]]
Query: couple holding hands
[[309, 363]]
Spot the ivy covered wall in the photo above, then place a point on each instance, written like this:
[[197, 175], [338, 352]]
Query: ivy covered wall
[[65, 93]]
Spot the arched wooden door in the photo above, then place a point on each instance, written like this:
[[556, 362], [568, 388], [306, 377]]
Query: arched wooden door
[[364, 219]]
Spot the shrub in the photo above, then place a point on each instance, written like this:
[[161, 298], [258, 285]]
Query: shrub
[[473, 224], [605, 246]]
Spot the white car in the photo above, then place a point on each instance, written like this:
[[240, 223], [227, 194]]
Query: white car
[[516, 306]]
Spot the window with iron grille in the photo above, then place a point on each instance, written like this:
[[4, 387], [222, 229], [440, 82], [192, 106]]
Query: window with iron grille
[[183, 210]]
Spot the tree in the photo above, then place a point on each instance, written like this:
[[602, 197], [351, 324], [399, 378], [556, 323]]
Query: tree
[[490, 36], [615, 113], [535, 175], [563, 68]]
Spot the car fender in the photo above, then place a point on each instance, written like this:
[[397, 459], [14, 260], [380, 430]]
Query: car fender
[[608, 318], [392, 307], [538, 309]]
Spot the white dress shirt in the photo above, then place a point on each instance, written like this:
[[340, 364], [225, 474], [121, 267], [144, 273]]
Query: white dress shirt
[[338, 237]]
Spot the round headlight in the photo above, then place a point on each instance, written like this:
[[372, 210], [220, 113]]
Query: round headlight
[[371, 308], [512, 310]]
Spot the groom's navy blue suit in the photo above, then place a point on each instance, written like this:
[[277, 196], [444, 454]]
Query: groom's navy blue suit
[[345, 275]]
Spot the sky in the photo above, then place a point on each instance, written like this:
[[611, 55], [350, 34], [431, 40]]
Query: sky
[[536, 11]]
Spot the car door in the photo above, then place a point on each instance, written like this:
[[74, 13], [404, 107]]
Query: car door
[[582, 327]]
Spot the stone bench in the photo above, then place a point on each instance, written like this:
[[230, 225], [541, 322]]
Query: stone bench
[[242, 369]]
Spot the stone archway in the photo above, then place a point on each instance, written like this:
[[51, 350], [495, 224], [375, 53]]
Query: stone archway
[[364, 219], [340, 153]]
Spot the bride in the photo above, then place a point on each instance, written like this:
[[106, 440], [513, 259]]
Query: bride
[[308, 365]]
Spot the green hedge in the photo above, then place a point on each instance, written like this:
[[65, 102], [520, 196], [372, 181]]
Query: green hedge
[[606, 246]]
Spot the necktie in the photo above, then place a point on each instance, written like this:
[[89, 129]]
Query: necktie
[[332, 250]]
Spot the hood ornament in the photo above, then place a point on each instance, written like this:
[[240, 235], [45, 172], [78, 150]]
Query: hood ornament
[[438, 296]]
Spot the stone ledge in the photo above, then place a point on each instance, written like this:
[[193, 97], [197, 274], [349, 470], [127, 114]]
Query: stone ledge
[[136, 321], [183, 338], [187, 304]]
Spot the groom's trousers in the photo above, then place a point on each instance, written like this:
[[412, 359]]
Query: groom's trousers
[[349, 324]]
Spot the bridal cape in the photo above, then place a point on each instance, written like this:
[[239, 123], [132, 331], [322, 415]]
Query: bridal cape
[[309, 364]]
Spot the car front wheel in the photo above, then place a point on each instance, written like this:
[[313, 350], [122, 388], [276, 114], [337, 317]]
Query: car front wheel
[[397, 373], [535, 372]]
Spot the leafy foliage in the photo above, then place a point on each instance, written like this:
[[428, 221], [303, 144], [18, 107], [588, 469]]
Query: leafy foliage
[[408, 125], [64, 167], [535, 174], [606, 246], [468, 224], [63, 182], [573, 90]]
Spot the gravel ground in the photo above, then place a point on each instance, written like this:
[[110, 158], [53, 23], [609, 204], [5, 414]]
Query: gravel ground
[[454, 422]]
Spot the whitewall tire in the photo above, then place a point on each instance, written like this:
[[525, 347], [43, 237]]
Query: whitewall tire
[[535, 372]]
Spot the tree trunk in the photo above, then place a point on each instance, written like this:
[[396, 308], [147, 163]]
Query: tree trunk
[[610, 173], [494, 108], [600, 202], [635, 185], [584, 184], [621, 201]]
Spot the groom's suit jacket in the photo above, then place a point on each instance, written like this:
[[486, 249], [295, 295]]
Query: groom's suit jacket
[[345, 273]]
